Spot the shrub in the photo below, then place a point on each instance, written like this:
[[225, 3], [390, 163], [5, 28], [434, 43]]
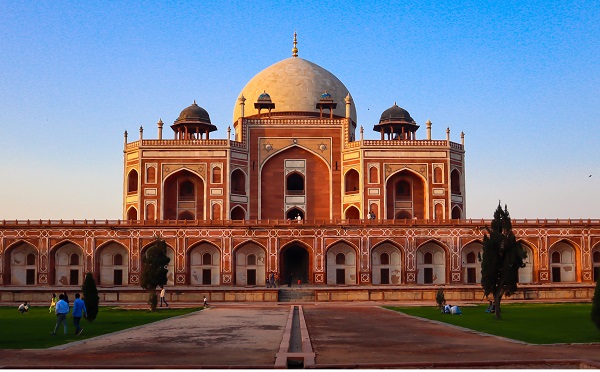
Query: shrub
[[90, 297]]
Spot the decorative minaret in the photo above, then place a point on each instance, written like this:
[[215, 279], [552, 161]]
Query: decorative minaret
[[448, 134], [348, 104], [141, 132], [295, 49], [125, 141], [428, 123], [241, 100], [462, 139], [361, 132], [160, 126]]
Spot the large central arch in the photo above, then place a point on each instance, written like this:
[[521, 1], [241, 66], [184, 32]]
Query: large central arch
[[295, 263]]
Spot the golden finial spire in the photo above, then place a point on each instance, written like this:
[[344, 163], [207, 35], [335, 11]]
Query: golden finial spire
[[295, 50]]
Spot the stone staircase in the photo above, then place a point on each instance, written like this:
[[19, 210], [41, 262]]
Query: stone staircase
[[296, 295]]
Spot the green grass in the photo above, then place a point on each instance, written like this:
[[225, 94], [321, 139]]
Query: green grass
[[32, 329], [532, 323]]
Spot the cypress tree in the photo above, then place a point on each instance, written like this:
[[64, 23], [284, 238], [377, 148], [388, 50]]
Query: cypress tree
[[502, 258], [90, 297], [154, 270]]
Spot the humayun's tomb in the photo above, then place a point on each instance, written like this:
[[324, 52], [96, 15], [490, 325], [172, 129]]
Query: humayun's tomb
[[293, 189]]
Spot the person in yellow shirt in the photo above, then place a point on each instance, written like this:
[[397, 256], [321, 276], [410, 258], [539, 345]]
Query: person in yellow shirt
[[52, 303]]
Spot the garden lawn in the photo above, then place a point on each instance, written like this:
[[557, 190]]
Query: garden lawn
[[32, 329], [532, 323]]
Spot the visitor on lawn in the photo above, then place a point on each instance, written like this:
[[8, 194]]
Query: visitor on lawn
[[62, 309], [491, 307], [455, 310], [23, 308], [79, 310]]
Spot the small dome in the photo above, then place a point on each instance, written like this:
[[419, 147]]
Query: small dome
[[193, 113], [395, 114], [264, 96]]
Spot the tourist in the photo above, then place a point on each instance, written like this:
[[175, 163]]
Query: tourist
[[62, 309], [272, 279], [66, 297], [455, 310], [162, 296], [23, 308], [52, 303], [79, 310], [205, 301], [447, 308], [491, 307]]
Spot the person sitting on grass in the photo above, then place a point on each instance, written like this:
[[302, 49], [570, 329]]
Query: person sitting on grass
[[455, 310], [447, 309], [491, 307], [23, 308]]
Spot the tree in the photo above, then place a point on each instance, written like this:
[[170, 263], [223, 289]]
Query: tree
[[596, 305], [154, 270], [440, 299], [90, 297], [502, 258]]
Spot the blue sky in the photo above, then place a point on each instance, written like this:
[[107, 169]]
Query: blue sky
[[520, 78]]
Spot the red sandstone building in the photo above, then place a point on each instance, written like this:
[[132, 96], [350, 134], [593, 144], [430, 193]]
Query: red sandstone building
[[294, 189]]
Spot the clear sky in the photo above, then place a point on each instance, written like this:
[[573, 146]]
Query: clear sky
[[520, 78]]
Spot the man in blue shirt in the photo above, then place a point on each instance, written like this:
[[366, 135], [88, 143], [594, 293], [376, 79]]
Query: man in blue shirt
[[78, 311], [62, 309]]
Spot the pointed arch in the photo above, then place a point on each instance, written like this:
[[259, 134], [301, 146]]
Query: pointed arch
[[204, 261], [352, 213], [345, 273], [456, 213], [455, 184], [406, 192], [432, 262], [111, 271], [565, 268], [471, 254], [296, 262], [351, 181], [528, 273], [132, 214], [238, 213], [387, 259], [183, 195], [18, 268], [132, 181], [249, 273], [238, 182], [67, 271]]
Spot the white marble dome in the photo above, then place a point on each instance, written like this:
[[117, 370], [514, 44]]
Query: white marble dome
[[294, 84]]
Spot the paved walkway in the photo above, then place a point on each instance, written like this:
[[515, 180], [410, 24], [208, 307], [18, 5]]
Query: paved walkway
[[342, 335]]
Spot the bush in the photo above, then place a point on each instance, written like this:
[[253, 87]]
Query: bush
[[596, 305], [440, 299], [90, 297]]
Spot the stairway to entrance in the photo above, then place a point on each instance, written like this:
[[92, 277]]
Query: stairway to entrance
[[296, 295]]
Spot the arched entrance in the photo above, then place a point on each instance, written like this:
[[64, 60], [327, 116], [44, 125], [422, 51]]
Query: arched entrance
[[294, 262]]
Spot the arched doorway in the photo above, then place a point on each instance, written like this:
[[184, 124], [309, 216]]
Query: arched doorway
[[294, 262]]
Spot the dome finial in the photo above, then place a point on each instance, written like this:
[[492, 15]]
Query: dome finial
[[295, 50]]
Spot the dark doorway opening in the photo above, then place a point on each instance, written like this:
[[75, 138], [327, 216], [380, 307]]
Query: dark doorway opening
[[556, 274], [428, 275], [118, 277], [385, 276], [206, 276], [340, 276], [30, 279], [471, 275], [251, 276], [294, 262], [74, 277]]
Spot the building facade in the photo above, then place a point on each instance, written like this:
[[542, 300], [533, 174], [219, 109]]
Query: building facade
[[296, 190]]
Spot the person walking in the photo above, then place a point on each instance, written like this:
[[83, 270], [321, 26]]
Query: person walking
[[52, 303], [205, 301], [79, 310], [62, 309], [162, 296], [66, 297]]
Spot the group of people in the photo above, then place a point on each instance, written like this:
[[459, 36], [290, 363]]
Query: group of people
[[272, 280], [62, 309], [449, 309]]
